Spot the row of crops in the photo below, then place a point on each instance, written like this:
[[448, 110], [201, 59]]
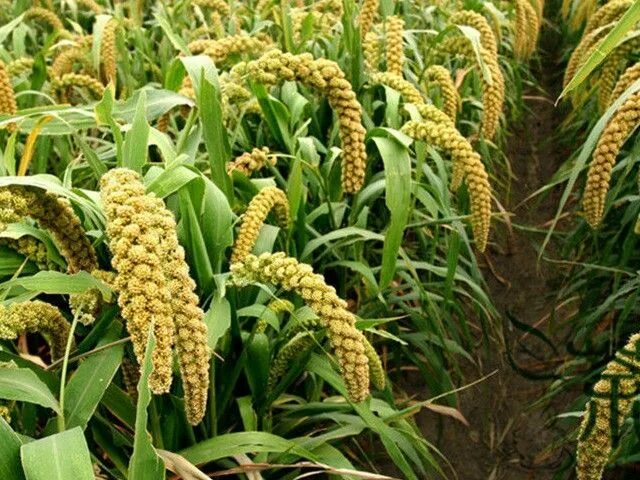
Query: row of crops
[[596, 231], [230, 229]]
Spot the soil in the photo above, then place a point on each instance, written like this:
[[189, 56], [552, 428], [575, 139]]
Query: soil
[[506, 438]]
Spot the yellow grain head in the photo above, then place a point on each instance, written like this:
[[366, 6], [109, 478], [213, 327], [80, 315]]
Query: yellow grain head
[[87, 305], [91, 5], [54, 214], [5, 413], [465, 161], [394, 45], [192, 346], [368, 13], [326, 77], [281, 364], [35, 316], [346, 341], [130, 376], [371, 51], [31, 248], [155, 288], [326, 16], [520, 42], [109, 52], [136, 226], [219, 6], [538, 6], [60, 86], [627, 79], [79, 53], [409, 92], [280, 305], [587, 44], [478, 22], [614, 392], [493, 89], [608, 13], [439, 76], [376, 370], [48, 18], [19, 66], [533, 27], [267, 199], [8, 105], [252, 161], [613, 137], [612, 67], [241, 44]]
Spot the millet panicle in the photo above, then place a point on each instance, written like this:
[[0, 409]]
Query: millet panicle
[[619, 380], [347, 342], [267, 199], [54, 214], [35, 317], [328, 79], [613, 137]]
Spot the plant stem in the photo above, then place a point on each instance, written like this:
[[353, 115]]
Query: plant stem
[[80, 356], [63, 375], [184, 134]]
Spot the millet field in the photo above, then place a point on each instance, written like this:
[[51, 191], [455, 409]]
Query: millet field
[[340, 239]]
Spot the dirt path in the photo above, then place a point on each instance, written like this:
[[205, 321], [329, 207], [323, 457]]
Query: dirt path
[[505, 439]]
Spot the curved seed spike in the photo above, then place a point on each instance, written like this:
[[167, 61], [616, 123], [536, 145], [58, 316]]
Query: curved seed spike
[[613, 137], [267, 199], [614, 392], [54, 214], [347, 342], [467, 164], [35, 316], [329, 80], [394, 45]]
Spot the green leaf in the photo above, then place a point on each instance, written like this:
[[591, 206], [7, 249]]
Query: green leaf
[[474, 38], [175, 39], [120, 404], [10, 443], [204, 77], [276, 115], [194, 243], [22, 385], [137, 138], [103, 114], [90, 381], [218, 234], [341, 234], [98, 27], [389, 437], [257, 365], [58, 283], [294, 187], [232, 444], [62, 456], [626, 23], [218, 320], [397, 172], [90, 155], [145, 463], [171, 180], [8, 28], [68, 120]]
